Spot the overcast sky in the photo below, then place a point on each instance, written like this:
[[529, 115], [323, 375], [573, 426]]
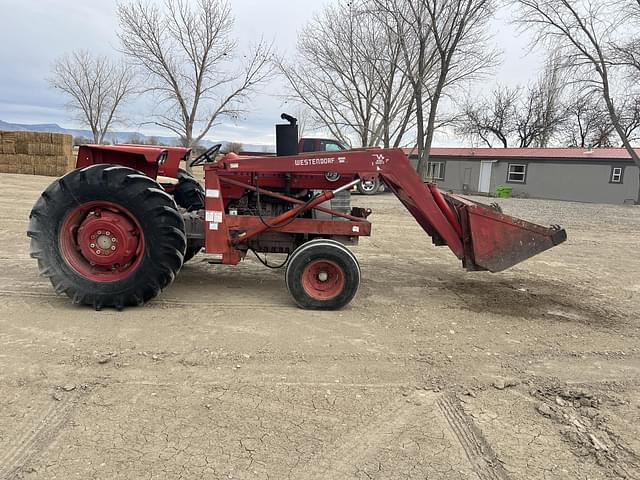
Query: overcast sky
[[35, 32]]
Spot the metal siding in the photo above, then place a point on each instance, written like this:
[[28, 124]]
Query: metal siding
[[454, 175], [561, 179], [500, 176], [572, 182]]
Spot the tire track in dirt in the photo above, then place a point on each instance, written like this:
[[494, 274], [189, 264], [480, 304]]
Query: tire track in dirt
[[436, 418], [11, 339], [155, 304], [477, 449], [26, 443], [23, 294], [161, 302], [341, 458]]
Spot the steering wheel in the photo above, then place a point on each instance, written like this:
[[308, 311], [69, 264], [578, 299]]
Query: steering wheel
[[208, 156]]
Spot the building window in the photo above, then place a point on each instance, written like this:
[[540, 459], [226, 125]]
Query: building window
[[616, 174], [517, 173], [435, 170]]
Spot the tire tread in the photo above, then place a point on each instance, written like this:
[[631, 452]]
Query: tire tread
[[157, 214]]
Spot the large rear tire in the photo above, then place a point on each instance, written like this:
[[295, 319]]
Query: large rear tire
[[323, 275], [107, 236]]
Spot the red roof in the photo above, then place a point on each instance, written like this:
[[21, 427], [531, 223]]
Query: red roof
[[560, 153]]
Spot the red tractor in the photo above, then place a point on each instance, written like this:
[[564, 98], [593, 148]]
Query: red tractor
[[116, 230], [365, 187], [315, 144]]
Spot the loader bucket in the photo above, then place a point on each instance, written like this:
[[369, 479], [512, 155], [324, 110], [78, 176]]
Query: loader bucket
[[494, 241]]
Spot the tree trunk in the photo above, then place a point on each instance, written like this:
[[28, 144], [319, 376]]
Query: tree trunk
[[433, 112], [405, 121], [420, 131], [615, 120], [188, 141], [386, 140], [433, 109]]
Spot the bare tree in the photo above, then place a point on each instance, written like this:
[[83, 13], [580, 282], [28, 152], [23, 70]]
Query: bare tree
[[532, 117], [136, 139], [306, 120], [627, 55], [548, 91], [187, 51], [235, 147], [96, 87], [77, 141], [346, 74], [587, 124], [587, 34], [539, 117], [630, 118], [302, 114], [443, 43], [627, 49], [491, 119]]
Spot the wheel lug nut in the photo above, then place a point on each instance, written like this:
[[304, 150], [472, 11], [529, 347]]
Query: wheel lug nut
[[99, 232], [98, 252], [107, 233], [113, 247], [93, 237], [114, 239], [93, 245]]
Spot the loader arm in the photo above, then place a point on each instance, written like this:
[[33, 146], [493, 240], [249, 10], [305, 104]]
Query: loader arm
[[481, 237]]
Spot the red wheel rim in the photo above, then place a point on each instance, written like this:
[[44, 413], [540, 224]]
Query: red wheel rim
[[323, 279], [102, 241]]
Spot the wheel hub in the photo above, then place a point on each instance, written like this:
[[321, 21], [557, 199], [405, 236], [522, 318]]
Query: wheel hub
[[105, 243], [368, 186], [107, 239], [323, 279]]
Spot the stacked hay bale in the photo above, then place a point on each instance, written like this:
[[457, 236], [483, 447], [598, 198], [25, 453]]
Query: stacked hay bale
[[36, 153]]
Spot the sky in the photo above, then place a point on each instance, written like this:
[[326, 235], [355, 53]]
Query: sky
[[36, 32]]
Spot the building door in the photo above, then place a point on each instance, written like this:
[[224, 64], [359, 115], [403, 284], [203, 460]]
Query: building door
[[484, 185]]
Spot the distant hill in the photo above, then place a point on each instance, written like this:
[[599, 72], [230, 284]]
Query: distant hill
[[117, 137]]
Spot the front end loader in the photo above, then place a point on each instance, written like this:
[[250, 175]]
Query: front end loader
[[115, 231]]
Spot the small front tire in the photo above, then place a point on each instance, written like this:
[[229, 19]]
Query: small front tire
[[189, 194], [323, 275]]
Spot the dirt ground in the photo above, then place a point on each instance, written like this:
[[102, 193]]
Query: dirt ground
[[431, 372]]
